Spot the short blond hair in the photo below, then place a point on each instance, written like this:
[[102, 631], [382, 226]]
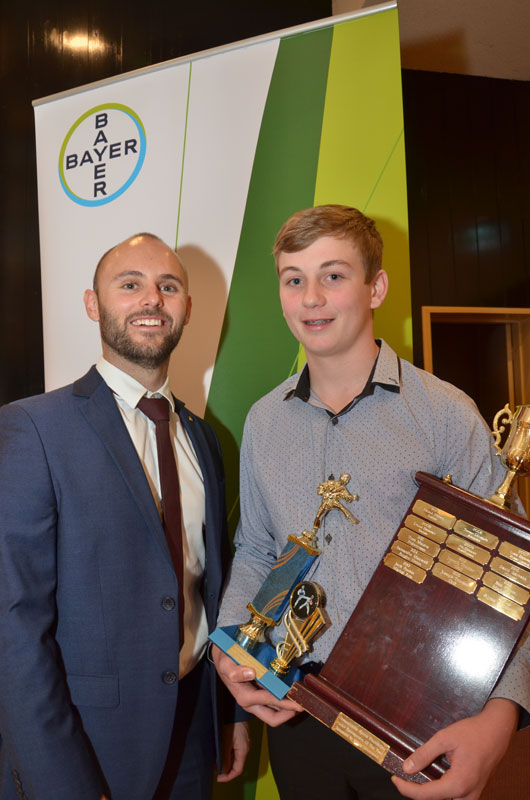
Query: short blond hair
[[343, 222]]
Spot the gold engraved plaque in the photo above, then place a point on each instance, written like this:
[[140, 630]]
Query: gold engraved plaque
[[416, 574], [510, 571], [456, 579], [501, 604], [360, 738], [468, 549], [433, 514], [476, 535], [418, 542], [461, 564], [516, 554], [243, 657], [426, 528], [410, 554], [506, 588]]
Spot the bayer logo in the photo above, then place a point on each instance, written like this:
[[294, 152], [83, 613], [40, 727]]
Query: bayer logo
[[102, 154]]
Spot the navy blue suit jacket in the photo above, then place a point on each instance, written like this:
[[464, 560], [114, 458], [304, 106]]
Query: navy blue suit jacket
[[85, 639]]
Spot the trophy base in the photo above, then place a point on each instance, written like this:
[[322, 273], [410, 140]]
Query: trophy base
[[259, 660], [361, 728]]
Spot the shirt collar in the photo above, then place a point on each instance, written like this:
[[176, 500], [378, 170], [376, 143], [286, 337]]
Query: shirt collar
[[386, 372], [128, 388]]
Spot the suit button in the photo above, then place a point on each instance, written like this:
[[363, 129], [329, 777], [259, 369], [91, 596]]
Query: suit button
[[168, 604], [169, 678]]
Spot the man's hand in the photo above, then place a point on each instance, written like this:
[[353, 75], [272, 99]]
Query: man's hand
[[260, 702], [473, 746], [236, 744]]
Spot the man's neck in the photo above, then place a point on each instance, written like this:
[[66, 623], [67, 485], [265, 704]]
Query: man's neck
[[337, 380], [152, 379]]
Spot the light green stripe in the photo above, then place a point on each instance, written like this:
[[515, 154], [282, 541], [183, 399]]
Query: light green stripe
[[183, 154]]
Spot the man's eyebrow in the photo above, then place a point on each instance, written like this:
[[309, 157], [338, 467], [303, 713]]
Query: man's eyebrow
[[288, 268], [128, 273], [136, 273], [333, 262]]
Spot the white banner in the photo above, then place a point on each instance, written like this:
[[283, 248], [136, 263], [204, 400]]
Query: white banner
[[111, 163]]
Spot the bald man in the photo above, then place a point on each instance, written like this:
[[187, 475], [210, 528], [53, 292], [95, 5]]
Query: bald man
[[105, 689]]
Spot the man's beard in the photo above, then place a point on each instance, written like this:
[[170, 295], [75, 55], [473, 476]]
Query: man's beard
[[146, 354]]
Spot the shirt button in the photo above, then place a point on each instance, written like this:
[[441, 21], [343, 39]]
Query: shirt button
[[168, 603], [169, 678]]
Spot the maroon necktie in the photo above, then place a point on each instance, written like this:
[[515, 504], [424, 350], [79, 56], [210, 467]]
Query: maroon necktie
[[157, 409]]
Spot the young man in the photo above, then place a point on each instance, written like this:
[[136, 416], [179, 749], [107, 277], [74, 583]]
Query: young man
[[104, 609], [355, 408]]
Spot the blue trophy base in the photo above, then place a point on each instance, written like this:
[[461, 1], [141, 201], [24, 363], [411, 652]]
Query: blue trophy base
[[259, 659]]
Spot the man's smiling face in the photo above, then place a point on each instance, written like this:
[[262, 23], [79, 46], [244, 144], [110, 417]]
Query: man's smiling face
[[141, 302], [325, 300]]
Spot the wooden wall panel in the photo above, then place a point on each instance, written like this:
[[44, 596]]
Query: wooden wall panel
[[468, 167]]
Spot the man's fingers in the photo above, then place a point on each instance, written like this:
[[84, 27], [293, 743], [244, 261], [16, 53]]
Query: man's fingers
[[272, 716], [426, 754]]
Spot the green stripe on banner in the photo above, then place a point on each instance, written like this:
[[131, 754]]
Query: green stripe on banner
[[362, 155], [256, 349]]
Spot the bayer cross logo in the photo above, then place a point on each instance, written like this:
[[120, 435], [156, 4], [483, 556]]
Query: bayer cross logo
[[102, 154]]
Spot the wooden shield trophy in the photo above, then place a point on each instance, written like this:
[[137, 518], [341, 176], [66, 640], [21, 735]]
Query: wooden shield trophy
[[437, 623]]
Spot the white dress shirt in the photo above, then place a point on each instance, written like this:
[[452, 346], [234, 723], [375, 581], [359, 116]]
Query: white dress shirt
[[127, 392]]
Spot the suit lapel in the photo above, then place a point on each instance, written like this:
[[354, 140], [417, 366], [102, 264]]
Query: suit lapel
[[103, 415]]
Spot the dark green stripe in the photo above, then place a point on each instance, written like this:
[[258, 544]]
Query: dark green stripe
[[257, 350]]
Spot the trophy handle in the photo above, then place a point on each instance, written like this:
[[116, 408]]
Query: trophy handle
[[505, 417]]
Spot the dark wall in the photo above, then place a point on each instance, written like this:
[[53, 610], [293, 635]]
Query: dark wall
[[467, 145], [34, 63]]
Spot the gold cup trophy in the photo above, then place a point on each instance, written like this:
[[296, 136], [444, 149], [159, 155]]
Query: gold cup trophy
[[515, 455]]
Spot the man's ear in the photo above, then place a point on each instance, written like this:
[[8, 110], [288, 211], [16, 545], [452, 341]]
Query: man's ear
[[188, 311], [379, 288], [90, 300]]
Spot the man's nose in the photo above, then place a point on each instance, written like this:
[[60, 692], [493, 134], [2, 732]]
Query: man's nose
[[152, 296], [313, 294]]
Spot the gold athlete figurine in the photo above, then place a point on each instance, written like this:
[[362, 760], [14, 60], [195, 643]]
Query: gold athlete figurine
[[333, 492]]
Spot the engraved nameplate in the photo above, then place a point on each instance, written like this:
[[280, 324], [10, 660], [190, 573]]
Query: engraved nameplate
[[455, 578], [360, 738], [468, 549], [511, 571], [244, 658], [476, 535], [461, 564], [410, 554], [501, 604], [426, 528], [418, 542], [516, 554], [405, 568], [433, 514], [506, 588]]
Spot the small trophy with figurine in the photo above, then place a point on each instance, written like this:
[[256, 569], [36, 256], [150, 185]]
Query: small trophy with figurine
[[285, 597]]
